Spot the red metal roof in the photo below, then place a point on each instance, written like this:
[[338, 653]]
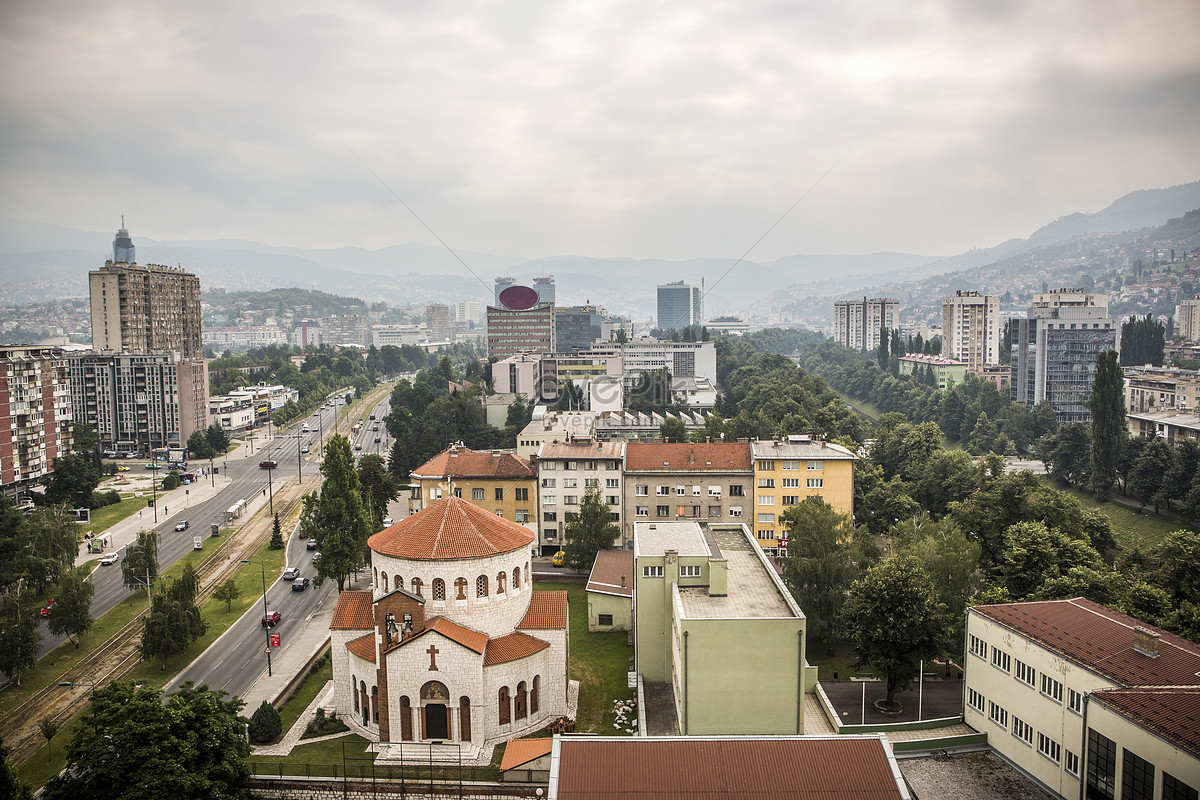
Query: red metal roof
[[724, 768], [1100, 639], [612, 573], [1172, 711], [451, 528], [353, 612], [511, 647], [717, 456], [461, 462], [363, 647], [547, 611], [522, 751]]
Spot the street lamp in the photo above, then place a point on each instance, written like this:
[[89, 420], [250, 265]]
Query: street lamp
[[81, 681], [266, 628], [270, 489]]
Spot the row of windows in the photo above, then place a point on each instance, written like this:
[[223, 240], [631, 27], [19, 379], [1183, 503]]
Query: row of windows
[[1050, 687], [643, 490], [574, 465], [764, 465], [439, 585], [588, 483], [1023, 731], [685, 511], [498, 493]]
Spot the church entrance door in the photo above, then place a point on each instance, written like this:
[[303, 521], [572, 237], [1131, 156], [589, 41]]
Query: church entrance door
[[436, 724]]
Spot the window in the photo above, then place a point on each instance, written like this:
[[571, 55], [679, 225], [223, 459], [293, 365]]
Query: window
[[816, 465], [614, 516], [737, 490], [641, 491], [1049, 748], [499, 493], [662, 491], [714, 491], [612, 499], [550, 534], [416, 587], [642, 511], [550, 516], [612, 483], [1022, 731], [1137, 777], [611, 465], [662, 511], [997, 715], [547, 465], [1175, 789], [768, 466], [570, 465], [766, 483], [571, 499], [1101, 766], [1025, 673], [570, 483], [439, 589], [1072, 763], [696, 490], [477, 494], [549, 500], [975, 700], [680, 491], [766, 519], [652, 572], [591, 483], [1075, 701], [789, 465], [604, 620], [1052, 689], [767, 501], [714, 511], [522, 494], [548, 483], [689, 571], [522, 515], [814, 483], [458, 491], [735, 511], [1001, 660], [791, 499], [591, 465], [481, 586], [767, 535], [791, 483]]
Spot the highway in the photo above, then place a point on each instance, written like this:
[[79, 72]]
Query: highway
[[246, 480]]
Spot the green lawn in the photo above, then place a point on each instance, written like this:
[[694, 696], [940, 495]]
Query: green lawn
[[312, 686], [105, 518], [1130, 527]]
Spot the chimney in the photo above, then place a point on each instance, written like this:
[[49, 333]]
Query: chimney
[[622, 581], [1145, 641]]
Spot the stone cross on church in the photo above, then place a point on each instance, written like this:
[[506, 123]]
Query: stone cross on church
[[433, 651]]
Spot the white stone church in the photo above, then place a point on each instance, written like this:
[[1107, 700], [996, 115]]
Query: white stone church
[[452, 644]]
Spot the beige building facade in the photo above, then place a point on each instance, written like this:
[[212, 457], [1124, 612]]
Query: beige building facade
[[565, 471], [713, 482], [971, 329]]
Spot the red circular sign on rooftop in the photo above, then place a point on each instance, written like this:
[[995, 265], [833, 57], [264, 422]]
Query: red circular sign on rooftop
[[519, 298]]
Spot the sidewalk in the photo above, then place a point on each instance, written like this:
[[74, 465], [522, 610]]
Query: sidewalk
[[310, 641]]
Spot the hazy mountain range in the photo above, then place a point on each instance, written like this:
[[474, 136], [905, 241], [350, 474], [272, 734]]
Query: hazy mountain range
[[40, 262]]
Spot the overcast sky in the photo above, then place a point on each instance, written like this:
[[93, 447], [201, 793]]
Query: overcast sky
[[641, 129]]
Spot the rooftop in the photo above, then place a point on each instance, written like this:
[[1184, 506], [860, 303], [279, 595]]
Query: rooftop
[[659, 457], [522, 751], [724, 767], [656, 538], [515, 645], [612, 573], [450, 528], [801, 447], [353, 612], [752, 588], [581, 449], [1171, 711], [461, 462], [547, 611]]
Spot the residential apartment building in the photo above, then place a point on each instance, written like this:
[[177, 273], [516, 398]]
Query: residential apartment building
[[947, 371], [856, 323], [468, 311], [681, 359], [1162, 389], [498, 481], [35, 414], [342, 329], [396, 335], [710, 613], [140, 402], [243, 338], [513, 332], [565, 471], [519, 374], [559, 426], [1055, 349], [1172, 425], [680, 305], [437, 320], [788, 470], [1189, 319], [144, 309], [1084, 700], [971, 328], [552, 427], [713, 482]]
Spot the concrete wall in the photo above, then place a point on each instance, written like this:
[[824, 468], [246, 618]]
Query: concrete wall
[[621, 609]]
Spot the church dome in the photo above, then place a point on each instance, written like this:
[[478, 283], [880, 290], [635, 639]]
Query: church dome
[[451, 528]]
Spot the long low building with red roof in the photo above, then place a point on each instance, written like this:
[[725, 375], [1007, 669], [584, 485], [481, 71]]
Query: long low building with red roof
[[1086, 701], [451, 644]]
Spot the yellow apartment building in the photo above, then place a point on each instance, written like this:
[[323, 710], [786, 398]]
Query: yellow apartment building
[[790, 469], [496, 480]]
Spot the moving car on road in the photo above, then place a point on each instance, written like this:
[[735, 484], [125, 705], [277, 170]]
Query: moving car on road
[[182, 525], [291, 573], [557, 560], [272, 619], [311, 544], [268, 464], [300, 585], [108, 560]]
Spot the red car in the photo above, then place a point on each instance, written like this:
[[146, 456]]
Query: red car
[[272, 619], [49, 608]]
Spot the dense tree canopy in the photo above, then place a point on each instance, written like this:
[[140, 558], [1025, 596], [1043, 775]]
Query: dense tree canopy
[[336, 517], [589, 530]]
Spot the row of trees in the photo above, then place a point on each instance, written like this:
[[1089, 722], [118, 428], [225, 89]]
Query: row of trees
[[1142, 341]]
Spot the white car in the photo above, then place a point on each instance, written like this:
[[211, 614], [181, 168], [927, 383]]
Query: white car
[[108, 560], [291, 573]]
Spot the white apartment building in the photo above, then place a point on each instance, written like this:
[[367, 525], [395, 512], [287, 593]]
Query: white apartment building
[[1189, 319], [1071, 692], [681, 359], [36, 413], [971, 329], [243, 338], [396, 335], [856, 323], [565, 471]]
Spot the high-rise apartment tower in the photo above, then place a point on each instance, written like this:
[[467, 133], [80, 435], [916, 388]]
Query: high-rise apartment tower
[[971, 329], [856, 323]]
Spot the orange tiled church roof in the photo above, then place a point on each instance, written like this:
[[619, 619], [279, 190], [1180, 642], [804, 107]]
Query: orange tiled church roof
[[451, 528]]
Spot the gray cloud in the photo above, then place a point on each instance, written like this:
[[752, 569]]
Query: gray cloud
[[646, 130]]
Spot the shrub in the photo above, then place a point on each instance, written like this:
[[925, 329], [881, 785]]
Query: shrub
[[171, 481], [321, 725], [265, 725], [109, 498]]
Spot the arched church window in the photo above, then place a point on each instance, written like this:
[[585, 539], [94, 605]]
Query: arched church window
[[464, 718], [460, 586], [375, 703], [481, 587], [416, 587], [533, 694], [354, 691], [383, 577], [439, 589], [500, 580], [516, 577], [399, 582], [505, 707], [521, 699], [375, 577]]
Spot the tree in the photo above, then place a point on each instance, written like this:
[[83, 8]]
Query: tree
[[589, 531], [20, 634], [276, 542], [199, 447], [49, 728], [86, 442], [228, 591], [1107, 404], [139, 568], [218, 439], [1179, 558], [10, 783], [191, 746], [894, 619], [819, 565], [336, 517], [379, 488], [50, 546], [75, 478], [1034, 553], [1147, 479], [951, 561], [175, 621], [1066, 453], [673, 430], [265, 724], [73, 606]]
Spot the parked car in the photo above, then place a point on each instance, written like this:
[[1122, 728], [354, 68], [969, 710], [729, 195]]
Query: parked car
[[358, 447], [387, 522], [108, 560], [291, 573], [268, 464], [311, 544], [272, 619], [182, 525], [316, 557], [300, 585], [558, 558], [49, 607]]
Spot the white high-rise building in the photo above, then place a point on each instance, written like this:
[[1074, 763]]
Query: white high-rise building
[[468, 311], [1189, 319], [856, 323], [971, 329]]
